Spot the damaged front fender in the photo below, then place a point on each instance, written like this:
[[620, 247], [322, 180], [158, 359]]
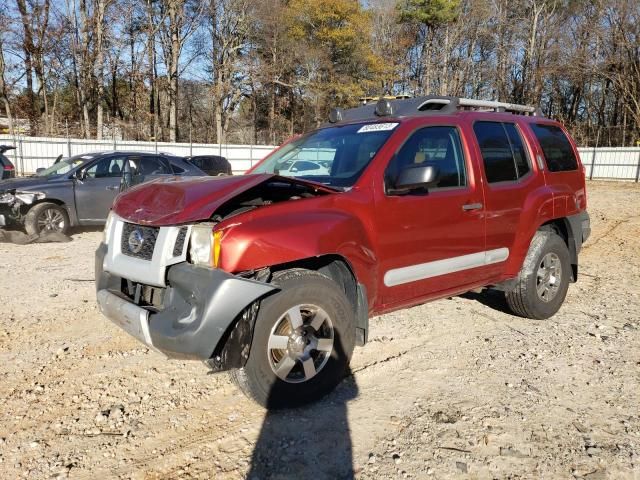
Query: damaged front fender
[[199, 306], [12, 203], [11, 197]]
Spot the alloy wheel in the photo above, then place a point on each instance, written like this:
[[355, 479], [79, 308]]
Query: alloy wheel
[[51, 220], [300, 343], [549, 277]]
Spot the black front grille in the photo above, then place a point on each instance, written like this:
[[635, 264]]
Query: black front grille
[[138, 241], [179, 246], [143, 295]]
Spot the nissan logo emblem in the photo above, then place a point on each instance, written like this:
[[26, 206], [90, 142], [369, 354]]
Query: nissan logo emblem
[[136, 241]]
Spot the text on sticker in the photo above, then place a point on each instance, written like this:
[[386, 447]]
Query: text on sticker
[[377, 127]]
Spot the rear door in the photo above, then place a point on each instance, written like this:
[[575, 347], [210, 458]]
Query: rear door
[[430, 242], [509, 178], [94, 194]]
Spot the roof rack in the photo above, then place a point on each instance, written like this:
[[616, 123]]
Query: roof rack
[[471, 104], [365, 100], [386, 107]]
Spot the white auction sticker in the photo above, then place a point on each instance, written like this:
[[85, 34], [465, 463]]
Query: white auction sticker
[[377, 127]]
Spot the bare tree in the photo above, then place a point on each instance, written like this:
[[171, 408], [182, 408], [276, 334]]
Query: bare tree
[[4, 88], [229, 25], [179, 21], [35, 19], [99, 26]]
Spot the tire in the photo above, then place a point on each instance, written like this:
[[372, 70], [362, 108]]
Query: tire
[[46, 217], [328, 322], [543, 281]]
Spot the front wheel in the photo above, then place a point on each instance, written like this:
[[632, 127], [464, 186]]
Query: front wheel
[[46, 217], [302, 344], [543, 280]]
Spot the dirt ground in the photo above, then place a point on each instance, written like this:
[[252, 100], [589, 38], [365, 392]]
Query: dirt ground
[[455, 388]]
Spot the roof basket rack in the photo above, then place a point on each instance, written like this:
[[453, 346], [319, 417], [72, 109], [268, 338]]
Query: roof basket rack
[[389, 107], [451, 104]]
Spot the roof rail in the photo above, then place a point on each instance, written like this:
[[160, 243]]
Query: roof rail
[[451, 104], [497, 106], [427, 105]]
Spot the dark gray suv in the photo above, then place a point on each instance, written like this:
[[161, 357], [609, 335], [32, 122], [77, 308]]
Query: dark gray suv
[[80, 190]]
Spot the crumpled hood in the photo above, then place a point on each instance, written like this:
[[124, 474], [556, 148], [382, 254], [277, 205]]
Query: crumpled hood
[[175, 200], [26, 184]]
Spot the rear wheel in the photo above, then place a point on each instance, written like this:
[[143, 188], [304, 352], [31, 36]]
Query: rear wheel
[[302, 344], [46, 217], [543, 280]]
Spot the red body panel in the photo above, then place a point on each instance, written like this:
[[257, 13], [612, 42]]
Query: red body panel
[[417, 229], [285, 232], [178, 200], [375, 232]]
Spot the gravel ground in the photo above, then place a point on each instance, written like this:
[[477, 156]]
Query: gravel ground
[[456, 388]]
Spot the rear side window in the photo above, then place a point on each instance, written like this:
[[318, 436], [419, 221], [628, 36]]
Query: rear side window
[[205, 163], [556, 148], [148, 165], [197, 161], [517, 149], [503, 151], [177, 169], [106, 167]]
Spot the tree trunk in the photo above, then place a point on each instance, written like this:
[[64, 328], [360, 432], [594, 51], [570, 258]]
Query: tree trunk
[[27, 48], [219, 126], [444, 76], [151, 56], [3, 91], [173, 70], [99, 66], [85, 74]]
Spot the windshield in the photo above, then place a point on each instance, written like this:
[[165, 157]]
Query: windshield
[[334, 156], [64, 166]]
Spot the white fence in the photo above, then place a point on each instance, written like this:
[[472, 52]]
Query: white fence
[[35, 152], [621, 163]]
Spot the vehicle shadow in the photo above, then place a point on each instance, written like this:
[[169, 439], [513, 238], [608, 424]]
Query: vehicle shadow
[[19, 237], [86, 229], [310, 442], [494, 299]]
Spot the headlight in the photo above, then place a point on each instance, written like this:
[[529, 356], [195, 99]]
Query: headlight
[[29, 197], [107, 228], [205, 246], [7, 198]]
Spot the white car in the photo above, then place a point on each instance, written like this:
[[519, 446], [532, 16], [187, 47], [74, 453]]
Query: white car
[[304, 167]]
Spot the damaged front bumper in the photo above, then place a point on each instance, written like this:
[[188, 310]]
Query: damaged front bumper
[[197, 307], [12, 203]]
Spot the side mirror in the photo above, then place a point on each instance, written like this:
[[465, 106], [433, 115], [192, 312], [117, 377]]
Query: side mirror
[[81, 174], [415, 178], [41, 169]]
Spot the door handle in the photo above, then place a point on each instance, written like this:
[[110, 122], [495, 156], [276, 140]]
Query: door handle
[[112, 188], [471, 206]]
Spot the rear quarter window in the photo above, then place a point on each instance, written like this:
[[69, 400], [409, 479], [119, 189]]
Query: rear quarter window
[[177, 169], [556, 148]]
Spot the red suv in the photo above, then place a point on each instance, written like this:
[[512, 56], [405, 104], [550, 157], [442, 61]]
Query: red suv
[[274, 274]]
